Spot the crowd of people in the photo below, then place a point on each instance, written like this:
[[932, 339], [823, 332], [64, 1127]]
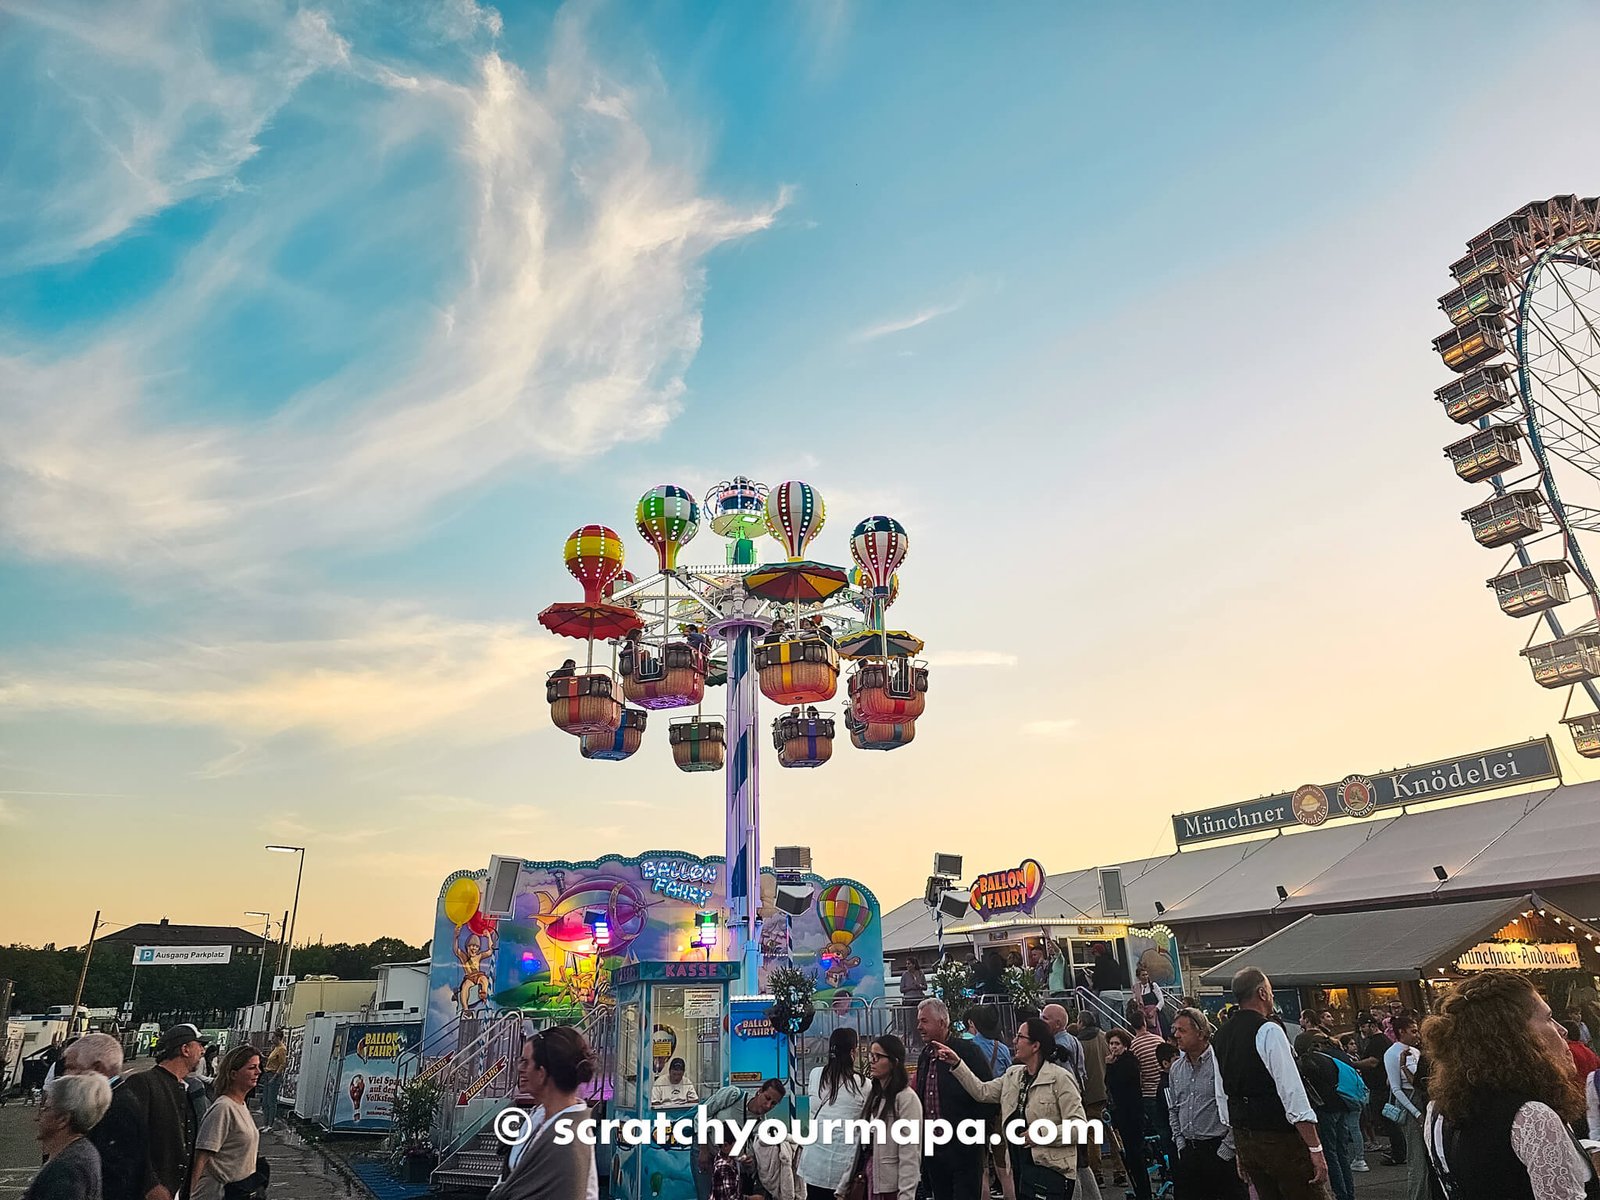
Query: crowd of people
[[169, 1132], [1486, 1099]]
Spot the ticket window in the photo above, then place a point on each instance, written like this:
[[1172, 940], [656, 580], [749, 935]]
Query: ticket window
[[686, 1046]]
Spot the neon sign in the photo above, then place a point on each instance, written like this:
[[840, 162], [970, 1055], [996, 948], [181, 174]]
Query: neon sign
[[679, 878], [1016, 889]]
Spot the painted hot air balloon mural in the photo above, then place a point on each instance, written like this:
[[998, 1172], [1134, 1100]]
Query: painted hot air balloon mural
[[667, 517], [845, 916]]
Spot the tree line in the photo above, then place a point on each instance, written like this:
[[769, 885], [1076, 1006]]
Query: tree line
[[45, 977]]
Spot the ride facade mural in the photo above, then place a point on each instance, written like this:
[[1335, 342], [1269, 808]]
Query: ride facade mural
[[573, 923]]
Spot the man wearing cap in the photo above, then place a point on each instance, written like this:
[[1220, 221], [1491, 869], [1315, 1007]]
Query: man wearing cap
[[146, 1138]]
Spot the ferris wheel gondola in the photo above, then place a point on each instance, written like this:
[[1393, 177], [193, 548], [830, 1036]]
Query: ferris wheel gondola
[[1525, 343]]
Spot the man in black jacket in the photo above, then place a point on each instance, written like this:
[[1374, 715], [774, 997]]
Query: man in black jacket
[[952, 1171], [146, 1138], [1261, 1095]]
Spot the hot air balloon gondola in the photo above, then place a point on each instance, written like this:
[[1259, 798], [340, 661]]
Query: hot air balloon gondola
[[697, 745], [803, 740], [889, 691], [669, 677], [583, 702], [803, 670], [619, 744], [875, 735]]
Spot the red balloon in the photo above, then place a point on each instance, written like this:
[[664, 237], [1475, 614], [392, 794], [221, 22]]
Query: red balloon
[[479, 923]]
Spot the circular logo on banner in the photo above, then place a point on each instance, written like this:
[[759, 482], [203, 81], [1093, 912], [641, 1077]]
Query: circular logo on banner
[[1358, 796], [1310, 804]]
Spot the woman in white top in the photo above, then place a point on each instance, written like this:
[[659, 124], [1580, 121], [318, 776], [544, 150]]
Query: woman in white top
[[225, 1148], [1501, 1093], [836, 1093]]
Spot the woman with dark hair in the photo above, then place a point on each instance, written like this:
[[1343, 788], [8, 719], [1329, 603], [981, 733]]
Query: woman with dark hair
[[557, 1063], [892, 1165], [837, 1095], [1034, 1088], [1501, 1092], [1125, 1104]]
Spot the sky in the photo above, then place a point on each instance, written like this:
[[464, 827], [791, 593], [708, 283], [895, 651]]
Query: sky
[[321, 326]]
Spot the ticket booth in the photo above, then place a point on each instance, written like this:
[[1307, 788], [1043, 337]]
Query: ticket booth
[[672, 1054]]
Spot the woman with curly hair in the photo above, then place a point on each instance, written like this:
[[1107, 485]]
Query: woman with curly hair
[[1501, 1093]]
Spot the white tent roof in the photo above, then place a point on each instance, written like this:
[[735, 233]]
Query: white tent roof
[[1509, 844]]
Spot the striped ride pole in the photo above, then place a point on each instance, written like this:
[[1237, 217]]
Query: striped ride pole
[[743, 790]]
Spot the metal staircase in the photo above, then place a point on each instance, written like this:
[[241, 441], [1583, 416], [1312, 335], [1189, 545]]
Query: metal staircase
[[471, 1156]]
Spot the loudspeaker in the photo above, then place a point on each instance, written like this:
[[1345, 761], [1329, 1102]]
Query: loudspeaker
[[794, 901], [947, 864], [791, 858], [953, 906], [937, 886], [500, 892]]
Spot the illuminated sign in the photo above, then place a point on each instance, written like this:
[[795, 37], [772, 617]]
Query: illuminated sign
[[680, 878], [1521, 956], [1016, 889]]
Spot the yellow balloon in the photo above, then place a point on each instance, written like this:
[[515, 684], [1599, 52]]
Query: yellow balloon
[[461, 901]]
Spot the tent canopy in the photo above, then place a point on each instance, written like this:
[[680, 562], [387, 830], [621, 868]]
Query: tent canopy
[[1372, 947]]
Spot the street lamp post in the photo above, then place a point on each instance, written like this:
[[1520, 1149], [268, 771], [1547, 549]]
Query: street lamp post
[[294, 911], [261, 962]]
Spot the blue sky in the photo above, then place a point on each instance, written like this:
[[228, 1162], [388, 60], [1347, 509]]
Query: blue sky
[[320, 326]]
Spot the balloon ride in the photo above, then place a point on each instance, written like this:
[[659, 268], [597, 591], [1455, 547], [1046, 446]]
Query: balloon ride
[[781, 630]]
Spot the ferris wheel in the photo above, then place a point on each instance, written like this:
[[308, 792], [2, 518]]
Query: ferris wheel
[[780, 630], [1525, 345]]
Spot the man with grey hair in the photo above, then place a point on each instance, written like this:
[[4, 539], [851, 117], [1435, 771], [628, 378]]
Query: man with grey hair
[[94, 1054], [146, 1141], [1204, 1168], [1260, 1095], [953, 1171]]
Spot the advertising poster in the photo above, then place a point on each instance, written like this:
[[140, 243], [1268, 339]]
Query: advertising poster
[[755, 1051], [366, 1079], [289, 1089]]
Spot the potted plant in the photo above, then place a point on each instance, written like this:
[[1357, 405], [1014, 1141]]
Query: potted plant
[[414, 1106]]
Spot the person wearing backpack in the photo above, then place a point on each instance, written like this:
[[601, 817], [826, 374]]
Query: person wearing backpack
[[1320, 1072]]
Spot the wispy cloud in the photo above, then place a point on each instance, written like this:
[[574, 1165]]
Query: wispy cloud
[[129, 114], [394, 676], [970, 658], [901, 324], [566, 319], [1050, 730]]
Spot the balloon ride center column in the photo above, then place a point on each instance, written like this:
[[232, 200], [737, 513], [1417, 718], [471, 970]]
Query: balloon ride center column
[[772, 620]]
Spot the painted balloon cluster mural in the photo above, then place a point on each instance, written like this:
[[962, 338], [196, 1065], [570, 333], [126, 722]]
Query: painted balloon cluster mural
[[572, 922]]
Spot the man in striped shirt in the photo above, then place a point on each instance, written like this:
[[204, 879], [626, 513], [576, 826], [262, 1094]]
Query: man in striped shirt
[[1145, 1044]]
